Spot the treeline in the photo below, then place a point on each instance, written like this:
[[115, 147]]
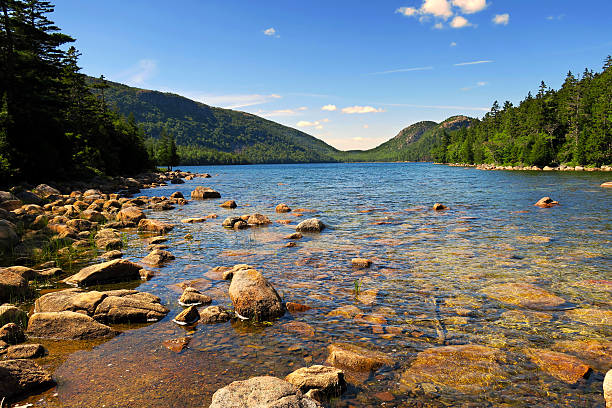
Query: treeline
[[52, 126], [569, 126]]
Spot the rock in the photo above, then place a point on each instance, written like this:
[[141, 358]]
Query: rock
[[25, 351], [108, 239], [80, 225], [327, 381], [74, 300], [44, 191], [595, 353], [193, 297], [22, 376], [8, 235], [295, 235], [607, 389], [188, 316], [94, 216], [67, 326], [546, 202], [258, 219], [348, 311], [301, 328], [130, 307], [439, 207], [228, 274], [261, 392], [282, 208], [11, 333], [561, 366], [193, 220], [230, 221], [177, 194], [524, 295], [158, 257], [466, 368], [215, 314], [229, 204], [131, 216], [361, 263], [253, 296], [111, 271], [607, 184], [293, 307], [12, 314], [310, 225], [356, 358], [240, 224], [591, 316], [177, 345], [155, 226], [112, 255], [12, 286], [201, 193]]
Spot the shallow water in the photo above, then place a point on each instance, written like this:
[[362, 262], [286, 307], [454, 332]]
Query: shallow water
[[425, 288]]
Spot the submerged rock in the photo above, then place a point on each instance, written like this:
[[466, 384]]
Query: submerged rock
[[261, 392], [22, 376], [356, 358], [253, 296], [158, 257], [201, 193], [546, 202], [111, 271], [295, 235], [177, 345], [67, 326], [310, 225], [524, 295], [591, 316], [596, 353], [467, 368], [561, 366], [324, 382], [361, 263], [193, 297]]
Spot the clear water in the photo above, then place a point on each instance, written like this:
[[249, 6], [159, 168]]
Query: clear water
[[426, 266]]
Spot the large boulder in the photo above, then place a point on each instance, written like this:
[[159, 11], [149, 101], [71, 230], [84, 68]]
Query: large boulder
[[261, 392], [111, 271], [356, 358], [131, 216], [154, 226], [22, 376], [310, 225], [253, 296], [321, 382], [67, 326], [12, 286], [201, 193]]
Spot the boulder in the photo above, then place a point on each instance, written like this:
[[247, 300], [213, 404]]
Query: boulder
[[131, 216], [188, 316], [11, 333], [229, 204], [158, 257], [154, 226], [240, 224], [67, 326], [546, 202], [261, 392], [108, 239], [215, 314], [94, 216], [193, 297], [282, 208], [356, 358], [361, 263], [8, 235], [325, 381], [258, 219], [23, 271], [74, 300], [561, 366], [44, 191], [21, 377], [111, 271], [25, 351], [12, 286], [193, 220], [607, 389], [129, 307], [230, 221], [12, 314], [253, 296], [228, 273], [201, 193], [465, 368], [114, 254], [596, 353], [524, 295], [310, 225], [177, 194], [295, 235], [439, 207]]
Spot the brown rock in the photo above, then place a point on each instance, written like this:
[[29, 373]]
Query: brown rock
[[129, 307], [524, 295], [253, 296], [293, 307], [193, 297], [546, 202], [193, 220], [439, 207], [154, 226], [310, 225], [302, 328], [22, 376], [595, 353], [108, 239], [607, 184], [607, 389], [188, 316], [361, 263], [229, 204], [111, 271], [240, 224], [177, 345], [11, 333], [295, 235], [356, 358], [328, 381], [74, 300], [348, 311], [591, 316], [258, 219], [561, 366], [215, 314], [12, 286], [25, 351], [158, 257], [282, 208], [201, 193], [12, 314], [67, 326], [177, 194]]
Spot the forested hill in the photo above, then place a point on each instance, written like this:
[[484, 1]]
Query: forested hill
[[209, 135], [417, 142], [572, 125]]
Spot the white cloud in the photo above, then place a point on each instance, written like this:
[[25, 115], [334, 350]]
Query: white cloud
[[231, 101], [393, 71], [453, 44], [460, 64], [361, 109], [366, 126], [407, 11], [438, 26], [282, 112], [329, 108], [460, 22], [316, 124], [439, 8], [138, 74], [470, 6], [501, 19], [478, 85], [271, 32], [559, 17]]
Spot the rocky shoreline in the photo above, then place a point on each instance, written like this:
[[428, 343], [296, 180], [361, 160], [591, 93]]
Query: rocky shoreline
[[528, 168]]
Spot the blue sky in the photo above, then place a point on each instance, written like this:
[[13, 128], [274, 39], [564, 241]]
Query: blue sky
[[351, 73]]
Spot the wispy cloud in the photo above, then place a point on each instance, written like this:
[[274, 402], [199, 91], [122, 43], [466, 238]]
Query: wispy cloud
[[501, 19], [231, 101], [394, 71], [329, 108], [446, 107], [478, 85], [559, 17], [282, 112], [460, 64], [453, 44], [138, 74], [361, 110], [271, 32]]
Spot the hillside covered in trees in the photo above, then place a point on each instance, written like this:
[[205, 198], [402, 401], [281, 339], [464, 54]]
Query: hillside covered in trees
[[572, 125], [52, 126], [209, 135]]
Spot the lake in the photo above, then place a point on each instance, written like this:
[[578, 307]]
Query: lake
[[489, 271]]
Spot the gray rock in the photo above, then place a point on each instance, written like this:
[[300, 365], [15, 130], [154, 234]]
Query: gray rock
[[310, 225]]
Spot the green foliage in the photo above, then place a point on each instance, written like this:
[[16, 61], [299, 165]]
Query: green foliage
[[571, 125], [51, 124]]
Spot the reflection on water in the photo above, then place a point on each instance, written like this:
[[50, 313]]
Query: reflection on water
[[492, 271]]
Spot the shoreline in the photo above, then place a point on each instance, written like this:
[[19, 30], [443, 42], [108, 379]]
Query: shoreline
[[604, 168]]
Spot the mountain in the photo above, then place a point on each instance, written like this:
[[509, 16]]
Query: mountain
[[209, 135], [414, 143]]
